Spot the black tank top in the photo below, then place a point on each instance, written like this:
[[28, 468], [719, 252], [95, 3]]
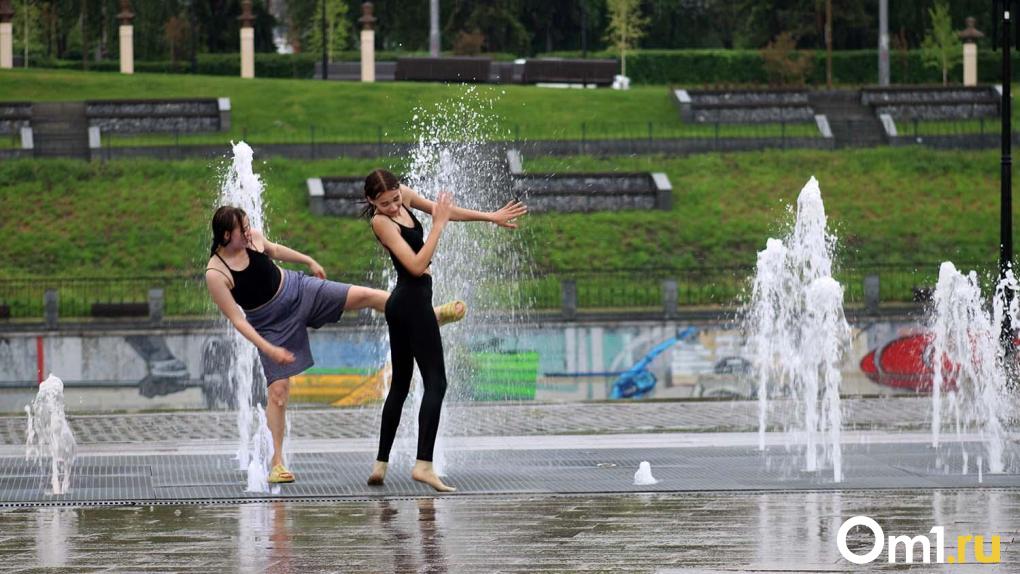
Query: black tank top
[[415, 238], [256, 284]]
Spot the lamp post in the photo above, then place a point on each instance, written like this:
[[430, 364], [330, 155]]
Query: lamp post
[[325, 42], [1004, 9]]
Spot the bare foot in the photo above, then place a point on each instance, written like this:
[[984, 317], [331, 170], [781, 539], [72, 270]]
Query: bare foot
[[378, 474], [424, 473]]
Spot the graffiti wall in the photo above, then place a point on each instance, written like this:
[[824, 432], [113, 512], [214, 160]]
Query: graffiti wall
[[566, 361]]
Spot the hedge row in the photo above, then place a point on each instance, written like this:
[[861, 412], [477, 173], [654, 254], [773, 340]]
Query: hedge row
[[685, 67], [266, 65], [747, 67]]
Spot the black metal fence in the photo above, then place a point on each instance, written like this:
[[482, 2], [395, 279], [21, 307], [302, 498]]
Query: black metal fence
[[644, 289]]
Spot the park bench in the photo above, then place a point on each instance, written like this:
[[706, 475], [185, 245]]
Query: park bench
[[446, 69]]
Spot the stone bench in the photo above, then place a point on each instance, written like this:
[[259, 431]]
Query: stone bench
[[337, 196], [588, 192], [575, 192], [450, 69], [14, 116], [149, 116], [743, 106], [933, 103]]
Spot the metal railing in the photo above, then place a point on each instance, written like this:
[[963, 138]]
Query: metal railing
[[643, 289], [380, 135]]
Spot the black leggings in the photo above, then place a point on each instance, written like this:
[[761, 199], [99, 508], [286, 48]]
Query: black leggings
[[414, 337]]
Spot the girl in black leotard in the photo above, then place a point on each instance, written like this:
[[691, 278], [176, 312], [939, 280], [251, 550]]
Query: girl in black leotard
[[414, 332]]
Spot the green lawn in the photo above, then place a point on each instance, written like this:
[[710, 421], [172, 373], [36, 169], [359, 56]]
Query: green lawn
[[887, 206], [905, 207], [299, 111]]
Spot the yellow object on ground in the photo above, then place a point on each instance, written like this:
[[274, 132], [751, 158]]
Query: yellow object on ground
[[339, 390]]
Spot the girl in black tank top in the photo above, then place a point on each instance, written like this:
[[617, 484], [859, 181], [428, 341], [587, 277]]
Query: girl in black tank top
[[413, 328], [257, 283], [278, 309]]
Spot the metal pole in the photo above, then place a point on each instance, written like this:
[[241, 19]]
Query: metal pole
[[1006, 178], [883, 42], [584, 28], [434, 28], [828, 44], [325, 60]]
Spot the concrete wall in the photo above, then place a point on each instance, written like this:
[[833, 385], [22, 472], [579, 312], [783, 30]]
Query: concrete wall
[[573, 358]]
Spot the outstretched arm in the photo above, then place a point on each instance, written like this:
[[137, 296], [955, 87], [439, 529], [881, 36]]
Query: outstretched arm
[[220, 292], [284, 253], [504, 217]]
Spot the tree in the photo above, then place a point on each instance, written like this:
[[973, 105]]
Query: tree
[[941, 45], [337, 28], [784, 63], [626, 27]]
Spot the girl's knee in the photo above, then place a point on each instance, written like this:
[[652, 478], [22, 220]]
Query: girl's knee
[[279, 392]]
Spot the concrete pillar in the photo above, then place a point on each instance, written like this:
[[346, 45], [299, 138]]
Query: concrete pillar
[[367, 21], [569, 291], [156, 302], [127, 49], [670, 298], [970, 35], [6, 35], [51, 308], [872, 293], [127, 38], [247, 40], [970, 64]]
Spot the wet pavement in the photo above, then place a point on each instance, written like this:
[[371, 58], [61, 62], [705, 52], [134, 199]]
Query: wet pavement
[[543, 488], [485, 419], [692, 532]]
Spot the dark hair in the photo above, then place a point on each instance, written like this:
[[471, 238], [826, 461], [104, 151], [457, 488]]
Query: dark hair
[[224, 221], [378, 182]]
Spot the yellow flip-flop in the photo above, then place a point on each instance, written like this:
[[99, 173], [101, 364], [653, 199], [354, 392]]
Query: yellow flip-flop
[[448, 312], [280, 474]]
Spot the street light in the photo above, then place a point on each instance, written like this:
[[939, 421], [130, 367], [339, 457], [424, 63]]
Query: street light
[[325, 59], [1005, 9]]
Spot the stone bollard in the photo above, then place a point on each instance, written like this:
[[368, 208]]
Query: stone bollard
[[127, 38], [51, 308], [247, 40], [156, 304], [367, 22], [6, 34], [872, 292], [669, 298], [568, 288]]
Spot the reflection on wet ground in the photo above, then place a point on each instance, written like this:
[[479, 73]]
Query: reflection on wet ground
[[749, 532]]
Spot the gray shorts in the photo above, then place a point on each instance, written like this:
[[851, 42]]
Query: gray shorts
[[303, 301]]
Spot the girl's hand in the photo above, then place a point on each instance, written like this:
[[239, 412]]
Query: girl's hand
[[317, 269], [441, 212], [508, 214], [280, 355]]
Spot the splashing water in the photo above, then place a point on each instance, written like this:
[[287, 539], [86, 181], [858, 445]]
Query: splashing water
[[50, 435], [479, 263], [797, 334], [969, 368], [261, 447], [241, 187]]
